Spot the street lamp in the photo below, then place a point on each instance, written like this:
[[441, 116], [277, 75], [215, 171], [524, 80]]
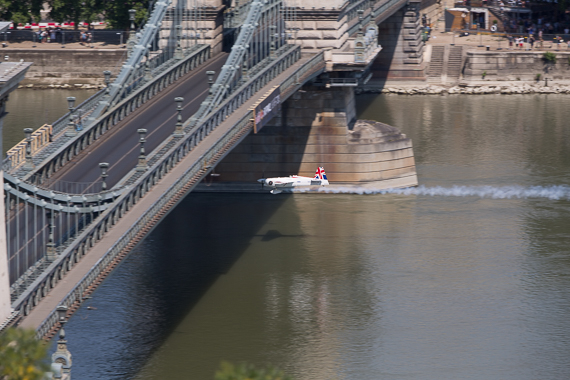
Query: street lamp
[[107, 75], [29, 165], [103, 166], [210, 75], [70, 126], [272, 43], [131, 41], [179, 132], [51, 253], [142, 165], [178, 51], [62, 355]]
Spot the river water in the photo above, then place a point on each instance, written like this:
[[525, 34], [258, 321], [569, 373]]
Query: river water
[[465, 277]]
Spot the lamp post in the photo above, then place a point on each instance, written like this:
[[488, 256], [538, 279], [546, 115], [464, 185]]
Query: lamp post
[[29, 165], [142, 165], [272, 43], [179, 132], [131, 41], [71, 126], [50, 246], [62, 355], [210, 75], [178, 51], [103, 166], [107, 75]]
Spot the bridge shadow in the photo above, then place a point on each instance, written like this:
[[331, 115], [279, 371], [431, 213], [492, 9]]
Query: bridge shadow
[[165, 277]]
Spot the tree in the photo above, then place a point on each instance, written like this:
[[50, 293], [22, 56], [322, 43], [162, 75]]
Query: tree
[[22, 356], [117, 13], [246, 371], [21, 11], [75, 10]]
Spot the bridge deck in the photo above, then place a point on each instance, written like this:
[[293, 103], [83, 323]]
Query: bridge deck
[[120, 147], [68, 283]]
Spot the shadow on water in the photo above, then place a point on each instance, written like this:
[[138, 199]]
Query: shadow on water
[[197, 243]]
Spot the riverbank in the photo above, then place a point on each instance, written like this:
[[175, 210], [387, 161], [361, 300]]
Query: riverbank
[[470, 89]]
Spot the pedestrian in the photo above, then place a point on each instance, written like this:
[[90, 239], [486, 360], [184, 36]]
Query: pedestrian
[[510, 38], [531, 41]]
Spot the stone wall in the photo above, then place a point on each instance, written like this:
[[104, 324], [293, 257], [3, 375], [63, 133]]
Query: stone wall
[[514, 66], [68, 66], [401, 57]]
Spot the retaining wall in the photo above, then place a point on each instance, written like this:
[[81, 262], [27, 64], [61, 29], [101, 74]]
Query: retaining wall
[[68, 66], [514, 65]]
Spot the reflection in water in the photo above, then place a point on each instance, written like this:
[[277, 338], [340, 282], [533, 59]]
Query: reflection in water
[[452, 280], [33, 108]]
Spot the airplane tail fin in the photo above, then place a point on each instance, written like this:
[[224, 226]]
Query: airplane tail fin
[[320, 174]]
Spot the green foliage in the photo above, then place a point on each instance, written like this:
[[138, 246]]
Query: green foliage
[[20, 11], [549, 57], [117, 13], [22, 356], [246, 371], [538, 76], [75, 10], [484, 74]]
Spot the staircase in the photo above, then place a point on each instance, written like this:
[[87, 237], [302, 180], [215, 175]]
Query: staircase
[[436, 64], [455, 63]]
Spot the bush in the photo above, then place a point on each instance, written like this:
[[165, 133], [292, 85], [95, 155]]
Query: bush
[[549, 57], [246, 371]]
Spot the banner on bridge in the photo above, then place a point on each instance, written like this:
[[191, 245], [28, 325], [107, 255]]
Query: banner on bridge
[[266, 108]]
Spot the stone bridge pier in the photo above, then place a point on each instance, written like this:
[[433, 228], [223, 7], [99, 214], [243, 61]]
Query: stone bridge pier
[[317, 126]]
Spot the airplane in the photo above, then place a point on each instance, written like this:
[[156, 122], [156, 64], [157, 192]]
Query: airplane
[[281, 183]]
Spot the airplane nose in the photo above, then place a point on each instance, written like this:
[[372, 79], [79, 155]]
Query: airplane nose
[[262, 180]]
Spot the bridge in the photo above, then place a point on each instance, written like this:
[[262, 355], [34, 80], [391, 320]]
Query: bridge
[[202, 77]]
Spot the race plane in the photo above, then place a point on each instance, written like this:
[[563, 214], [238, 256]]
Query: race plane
[[284, 183]]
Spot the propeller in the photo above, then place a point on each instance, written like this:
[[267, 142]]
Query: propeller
[[262, 180]]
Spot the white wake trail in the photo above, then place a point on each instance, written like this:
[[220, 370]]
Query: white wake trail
[[554, 192]]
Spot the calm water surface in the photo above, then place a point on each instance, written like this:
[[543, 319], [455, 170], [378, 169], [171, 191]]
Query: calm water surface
[[465, 277], [29, 108]]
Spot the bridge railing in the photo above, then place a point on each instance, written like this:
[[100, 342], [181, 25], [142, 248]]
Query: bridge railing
[[49, 162], [157, 170]]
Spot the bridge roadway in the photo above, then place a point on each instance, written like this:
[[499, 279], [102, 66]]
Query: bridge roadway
[[64, 287], [120, 146]]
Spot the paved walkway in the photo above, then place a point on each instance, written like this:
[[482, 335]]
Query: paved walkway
[[48, 304]]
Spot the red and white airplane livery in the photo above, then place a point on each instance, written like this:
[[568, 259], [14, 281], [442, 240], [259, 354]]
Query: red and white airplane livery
[[284, 183]]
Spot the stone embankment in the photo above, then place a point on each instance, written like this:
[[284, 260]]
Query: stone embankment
[[506, 89], [66, 86]]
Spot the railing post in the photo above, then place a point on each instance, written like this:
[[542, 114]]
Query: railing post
[[179, 131], [29, 165], [142, 165]]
